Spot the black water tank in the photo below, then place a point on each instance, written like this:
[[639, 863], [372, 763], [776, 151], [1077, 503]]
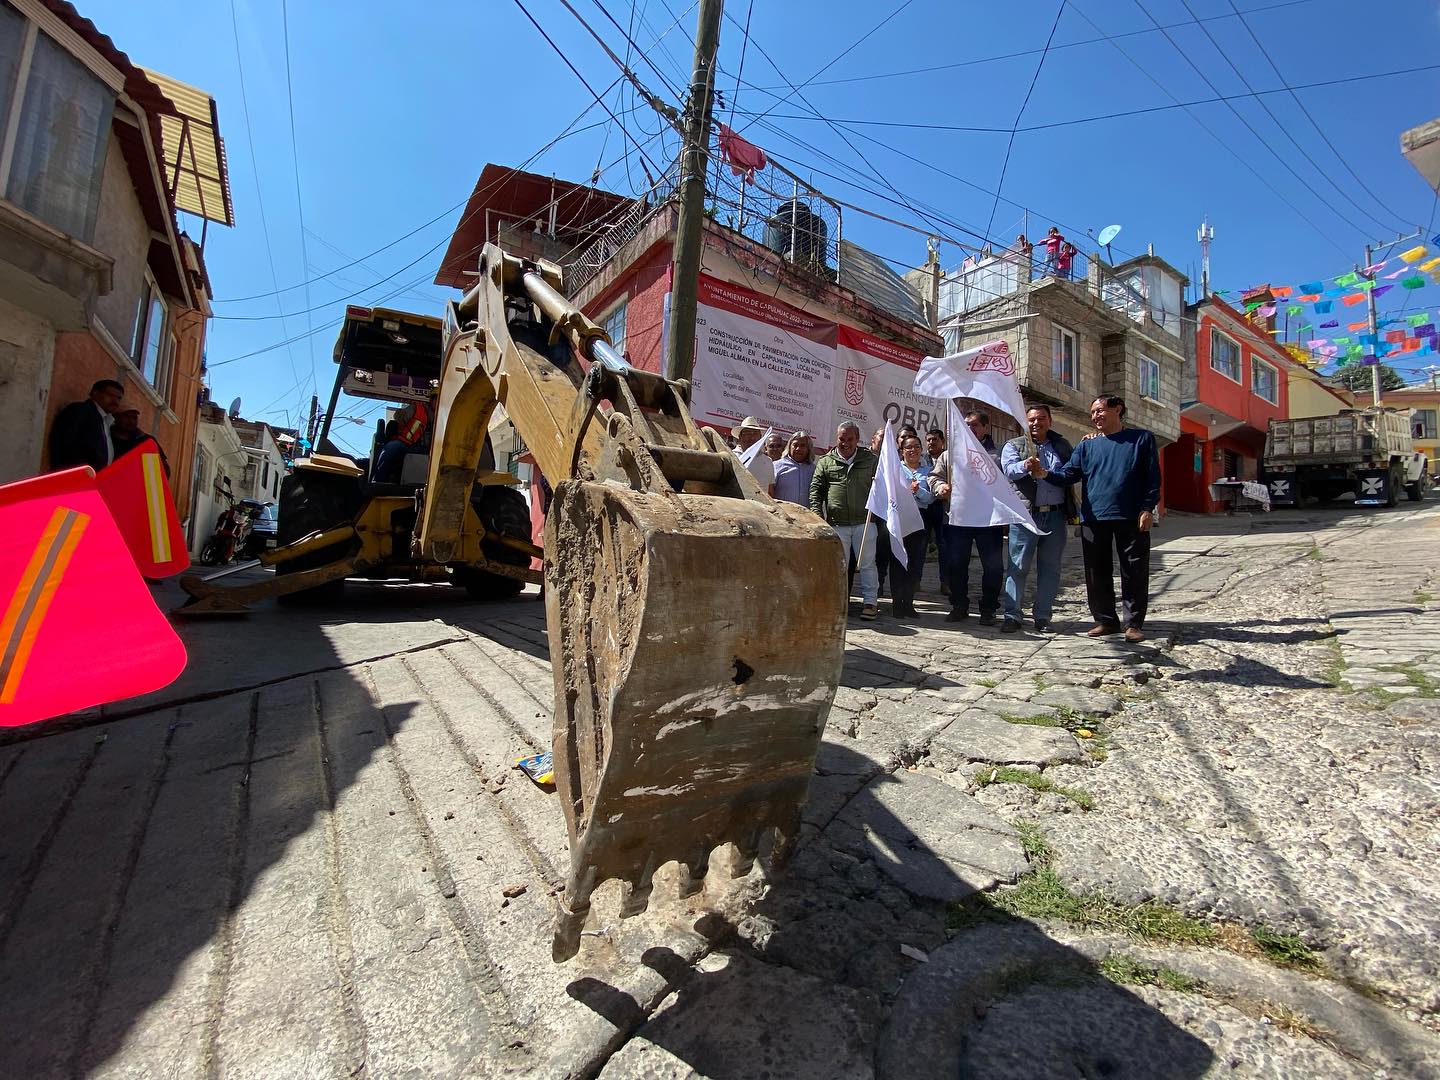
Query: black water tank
[[797, 232]]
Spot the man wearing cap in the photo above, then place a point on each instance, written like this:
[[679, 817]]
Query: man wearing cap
[[126, 435], [80, 434], [747, 434]]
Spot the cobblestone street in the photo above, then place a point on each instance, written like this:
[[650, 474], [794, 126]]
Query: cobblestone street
[[1210, 854]]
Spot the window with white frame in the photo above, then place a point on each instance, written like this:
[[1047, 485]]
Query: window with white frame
[[1224, 355], [614, 325], [1264, 380], [1422, 422], [153, 347], [1064, 356], [54, 128], [1149, 378]]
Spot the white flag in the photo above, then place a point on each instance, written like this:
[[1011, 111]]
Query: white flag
[[747, 456], [892, 499], [980, 493], [985, 373]]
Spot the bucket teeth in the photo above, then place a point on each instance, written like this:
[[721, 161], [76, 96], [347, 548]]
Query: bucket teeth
[[746, 850], [695, 867], [637, 892]]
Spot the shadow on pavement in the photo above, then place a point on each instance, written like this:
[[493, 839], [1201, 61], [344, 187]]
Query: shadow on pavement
[[813, 982], [191, 854]]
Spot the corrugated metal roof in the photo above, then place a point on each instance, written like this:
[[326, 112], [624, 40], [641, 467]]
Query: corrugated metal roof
[[193, 151]]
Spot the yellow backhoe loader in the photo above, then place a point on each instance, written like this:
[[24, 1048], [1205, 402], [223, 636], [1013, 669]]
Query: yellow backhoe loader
[[696, 625]]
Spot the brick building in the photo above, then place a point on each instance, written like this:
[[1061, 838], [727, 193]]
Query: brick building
[[815, 329], [96, 278]]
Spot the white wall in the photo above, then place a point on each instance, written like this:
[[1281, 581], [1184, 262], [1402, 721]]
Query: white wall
[[27, 358], [225, 456]]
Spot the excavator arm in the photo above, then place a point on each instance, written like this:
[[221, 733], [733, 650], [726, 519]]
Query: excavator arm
[[696, 625]]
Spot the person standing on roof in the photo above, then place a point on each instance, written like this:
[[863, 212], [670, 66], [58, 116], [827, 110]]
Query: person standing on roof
[[1053, 243]]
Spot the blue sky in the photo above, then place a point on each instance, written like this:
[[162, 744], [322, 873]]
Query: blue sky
[[397, 107]]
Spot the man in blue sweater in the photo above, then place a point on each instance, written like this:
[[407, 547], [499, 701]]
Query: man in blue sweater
[[1121, 470]]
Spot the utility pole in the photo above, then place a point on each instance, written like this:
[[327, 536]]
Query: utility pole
[[314, 425], [1370, 311], [689, 229]]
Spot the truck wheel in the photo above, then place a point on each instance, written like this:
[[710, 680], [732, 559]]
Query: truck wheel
[[312, 502], [1415, 490], [503, 510], [1395, 482]]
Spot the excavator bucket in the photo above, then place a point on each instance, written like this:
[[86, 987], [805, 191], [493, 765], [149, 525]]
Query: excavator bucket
[[699, 639]]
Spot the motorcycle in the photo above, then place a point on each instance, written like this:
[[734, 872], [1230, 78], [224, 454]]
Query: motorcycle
[[232, 529]]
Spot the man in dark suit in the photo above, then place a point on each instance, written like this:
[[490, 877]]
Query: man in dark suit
[[81, 432]]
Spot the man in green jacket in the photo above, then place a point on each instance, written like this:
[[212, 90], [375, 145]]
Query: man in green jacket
[[838, 493]]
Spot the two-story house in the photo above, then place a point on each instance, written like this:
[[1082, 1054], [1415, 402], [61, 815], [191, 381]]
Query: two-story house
[[1237, 379], [1099, 329], [96, 278], [797, 326]]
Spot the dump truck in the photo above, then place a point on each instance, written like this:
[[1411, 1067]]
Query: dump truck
[[1364, 452], [696, 625]]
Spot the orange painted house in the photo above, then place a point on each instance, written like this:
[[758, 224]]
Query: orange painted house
[[1236, 380]]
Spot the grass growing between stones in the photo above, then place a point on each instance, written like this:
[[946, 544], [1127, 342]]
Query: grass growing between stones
[[1041, 894], [1083, 726], [1128, 971], [1031, 721], [989, 684], [1284, 950], [1005, 774]]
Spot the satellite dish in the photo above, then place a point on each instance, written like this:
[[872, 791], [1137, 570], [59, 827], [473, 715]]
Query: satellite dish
[[234, 411], [1107, 234]]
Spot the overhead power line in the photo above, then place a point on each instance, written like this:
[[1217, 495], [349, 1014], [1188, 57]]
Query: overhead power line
[[841, 55], [931, 69], [295, 161], [1284, 129], [255, 172], [1010, 144], [1209, 130], [1313, 122], [599, 100], [1099, 117], [1249, 126]]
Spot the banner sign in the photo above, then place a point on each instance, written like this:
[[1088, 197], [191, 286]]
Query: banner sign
[[758, 356], [875, 382]]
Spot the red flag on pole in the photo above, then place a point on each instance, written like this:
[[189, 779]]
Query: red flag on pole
[[138, 495], [743, 157], [78, 626]]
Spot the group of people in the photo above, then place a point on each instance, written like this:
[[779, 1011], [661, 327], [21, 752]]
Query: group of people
[[1059, 253], [98, 430], [1118, 466]]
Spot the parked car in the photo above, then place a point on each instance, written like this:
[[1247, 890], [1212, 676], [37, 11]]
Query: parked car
[[263, 519]]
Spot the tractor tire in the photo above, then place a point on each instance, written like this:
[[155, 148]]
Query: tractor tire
[[503, 510], [312, 502]]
